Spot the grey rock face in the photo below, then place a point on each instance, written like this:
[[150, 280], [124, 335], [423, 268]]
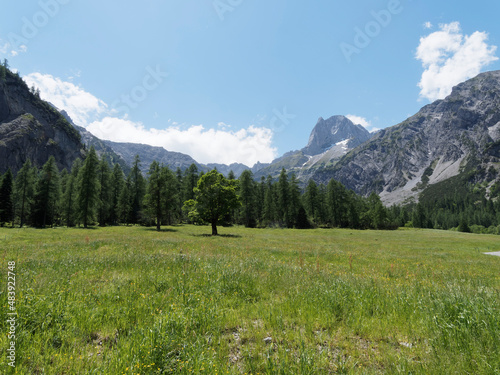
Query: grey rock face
[[327, 133], [329, 141], [441, 141], [31, 128]]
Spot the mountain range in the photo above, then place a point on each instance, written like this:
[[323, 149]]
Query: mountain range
[[458, 136]]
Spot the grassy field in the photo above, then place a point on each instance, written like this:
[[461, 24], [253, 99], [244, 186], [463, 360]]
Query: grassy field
[[129, 300]]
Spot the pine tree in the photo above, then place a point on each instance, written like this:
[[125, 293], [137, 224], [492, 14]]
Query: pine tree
[[283, 198], [47, 193], [247, 196], [311, 201], [155, 196], [6, 198], [117, 183], [104, 204], [189, 182], [24, 190], [261, 199], [377, 212], [337, 202], [88, 188], [172, 198], [124, 207], [295, 202], [270, 210], [70, 193], [137, 191]]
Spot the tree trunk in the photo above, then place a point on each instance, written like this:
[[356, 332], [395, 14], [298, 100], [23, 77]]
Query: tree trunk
[[158, 224], [214, 229]]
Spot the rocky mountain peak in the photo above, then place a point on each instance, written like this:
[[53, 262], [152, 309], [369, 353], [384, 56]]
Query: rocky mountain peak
[[328, 133]]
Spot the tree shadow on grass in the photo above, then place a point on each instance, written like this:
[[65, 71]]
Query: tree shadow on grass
[[219, 235], [162, 230]]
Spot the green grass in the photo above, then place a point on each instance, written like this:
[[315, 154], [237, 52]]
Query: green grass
[[129, 300]]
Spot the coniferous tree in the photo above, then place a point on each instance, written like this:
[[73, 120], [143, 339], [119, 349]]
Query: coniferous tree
[[137, 191], [377, 212], [88, 188], [261, 198], [69, 200], [189, 182], [105, 202], [179, 193], [172, 199], [24, 190], [155, 195], [337, 202], [47, 193], [283, 198], [6, 198], [117, 183], [295, 203], [312, 202], [270, 210], [247, 194], [124, 208]]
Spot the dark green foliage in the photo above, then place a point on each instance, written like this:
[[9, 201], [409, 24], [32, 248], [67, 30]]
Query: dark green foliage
[[6, 198], [117, 184], [137, 191], [88, 189], [124, 208], [24, 191], [47, 193], [248, 199], [464, 226], [161, 197], [282, 209], [68, 206], [105, 202], [215, 197], [456, 203], [270, 210]]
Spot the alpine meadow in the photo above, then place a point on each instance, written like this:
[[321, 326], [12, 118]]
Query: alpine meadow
[[232, 187]]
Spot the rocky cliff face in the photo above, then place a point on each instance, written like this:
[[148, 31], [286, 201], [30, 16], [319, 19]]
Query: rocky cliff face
[[148, 154], [329, 141], [31, 128], [332, 132], [446, 138]]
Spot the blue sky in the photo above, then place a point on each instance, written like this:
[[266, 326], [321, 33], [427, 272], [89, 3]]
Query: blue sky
[[244, 80]]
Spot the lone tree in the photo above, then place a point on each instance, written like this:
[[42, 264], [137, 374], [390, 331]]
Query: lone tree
[[215, 197]]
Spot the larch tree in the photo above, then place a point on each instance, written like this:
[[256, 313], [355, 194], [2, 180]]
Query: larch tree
[[24, 190], [88, 188]]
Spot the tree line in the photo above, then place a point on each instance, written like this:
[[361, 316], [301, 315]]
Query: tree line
[[97, 192]]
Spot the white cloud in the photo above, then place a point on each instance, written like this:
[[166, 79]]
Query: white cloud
[[246, 146], [219, 145], [358, 120], [6, 48], [427, 25], [449, 57], [81, 106]]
